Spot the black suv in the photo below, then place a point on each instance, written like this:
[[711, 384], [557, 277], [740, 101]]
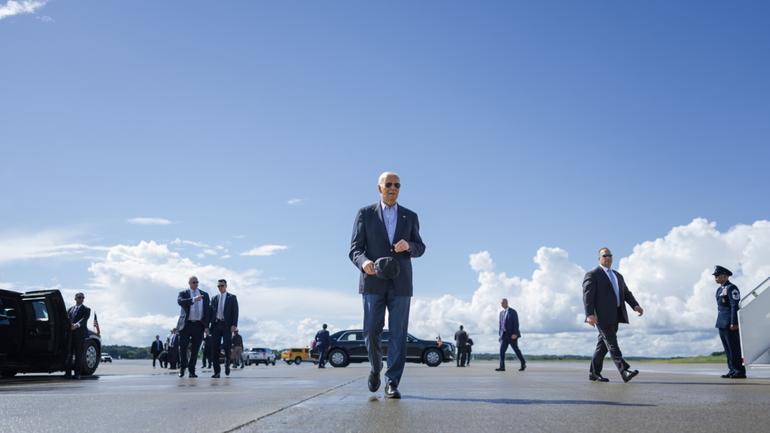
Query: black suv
[[34, 332], [348, 346]]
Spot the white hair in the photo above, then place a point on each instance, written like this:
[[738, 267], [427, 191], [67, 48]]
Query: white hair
[[383, 176]]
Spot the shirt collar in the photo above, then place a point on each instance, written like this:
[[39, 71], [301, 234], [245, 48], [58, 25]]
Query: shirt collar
[[605, 269], [384, 206]]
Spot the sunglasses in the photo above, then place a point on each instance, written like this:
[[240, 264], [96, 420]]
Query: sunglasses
[[606, 255], [393, 184], [221, 285], [193, 282]]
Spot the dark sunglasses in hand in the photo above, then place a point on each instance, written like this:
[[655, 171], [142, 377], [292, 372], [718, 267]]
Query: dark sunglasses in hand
[[392, 184]]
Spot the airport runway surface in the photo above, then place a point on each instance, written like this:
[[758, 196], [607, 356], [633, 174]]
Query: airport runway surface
[[131, 396]]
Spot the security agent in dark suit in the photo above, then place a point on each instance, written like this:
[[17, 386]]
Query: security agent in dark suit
[[78, 315], [322, 343], [224, 321], [386, 236], [604, 297], [155, 349], [728, 300], [461, 341], [173, 349], [509, 335], [193, 320]]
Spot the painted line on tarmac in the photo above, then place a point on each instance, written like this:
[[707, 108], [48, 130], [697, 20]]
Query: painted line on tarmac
[[256, 420]]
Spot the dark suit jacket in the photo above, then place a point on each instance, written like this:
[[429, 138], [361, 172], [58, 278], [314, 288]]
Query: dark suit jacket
[[599, 297], [156, 347], [370, 242], [80, 317], [185, 301], [728, 306], [322, 338], [511, 325], [230, 312], [461, 338]]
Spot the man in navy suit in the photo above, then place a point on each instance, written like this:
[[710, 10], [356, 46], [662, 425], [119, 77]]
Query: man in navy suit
[[509, 335], [193, 321], [224, 321], [386, 233], [78, 315], [155, 349], [605, 295]]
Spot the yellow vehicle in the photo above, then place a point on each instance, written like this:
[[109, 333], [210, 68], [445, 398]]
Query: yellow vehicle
[[297, 355]]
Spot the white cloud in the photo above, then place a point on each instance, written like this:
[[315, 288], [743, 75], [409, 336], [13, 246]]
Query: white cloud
[[45, 244], [265, 250], [295, 201], [670, 277], [178, 241], [226, 256], [149, 221], [18, 7], [135, 288]]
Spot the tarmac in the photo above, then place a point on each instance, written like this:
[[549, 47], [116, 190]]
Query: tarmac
[[131, 396]]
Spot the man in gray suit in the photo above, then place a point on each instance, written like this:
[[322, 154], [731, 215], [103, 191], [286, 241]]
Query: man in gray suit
[[605, 295], [193, 321], [385, 238]]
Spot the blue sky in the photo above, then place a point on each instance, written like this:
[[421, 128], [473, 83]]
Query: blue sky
[[514, 126]]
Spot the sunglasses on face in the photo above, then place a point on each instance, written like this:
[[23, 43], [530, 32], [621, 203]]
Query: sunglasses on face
[[606, 255], [393, 185], [221, 285], [193, 282]]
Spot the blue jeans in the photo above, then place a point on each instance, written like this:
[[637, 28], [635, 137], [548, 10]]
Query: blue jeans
[[398, 324]]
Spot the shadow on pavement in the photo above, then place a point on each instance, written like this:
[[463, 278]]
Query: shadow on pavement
[[515, 401]]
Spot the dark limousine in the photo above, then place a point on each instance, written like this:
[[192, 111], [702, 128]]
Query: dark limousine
[[34, 333], [348, 346]]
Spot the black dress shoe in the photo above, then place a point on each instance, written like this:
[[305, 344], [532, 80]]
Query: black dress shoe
[[628, 374], [227, 371], [181, 373], [77, 377], [374, 381], [193, 375], [499, 369], [738, 376], [727, 376], [597, 378], [523, 367], [391, 391], [215, 376]]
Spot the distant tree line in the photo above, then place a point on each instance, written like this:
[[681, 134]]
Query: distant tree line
[[127, 352]]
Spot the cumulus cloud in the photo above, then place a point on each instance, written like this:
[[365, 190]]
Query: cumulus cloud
[[670, 277], [149, 221], [136, 287], [18, 7], [46, 244], [265, 250]]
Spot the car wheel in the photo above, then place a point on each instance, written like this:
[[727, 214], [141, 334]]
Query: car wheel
[[338, 358], [298, 360], [91, 358], [290, 362], [7, 374], [432, 357]]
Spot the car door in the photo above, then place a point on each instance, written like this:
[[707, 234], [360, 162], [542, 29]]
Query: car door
[[11, 326], [413, 348], [45, 327]]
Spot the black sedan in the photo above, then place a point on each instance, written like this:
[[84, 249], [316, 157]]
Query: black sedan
[[348, 346]]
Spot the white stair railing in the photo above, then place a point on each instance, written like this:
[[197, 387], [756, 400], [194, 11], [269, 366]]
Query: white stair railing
[[754, 324]]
